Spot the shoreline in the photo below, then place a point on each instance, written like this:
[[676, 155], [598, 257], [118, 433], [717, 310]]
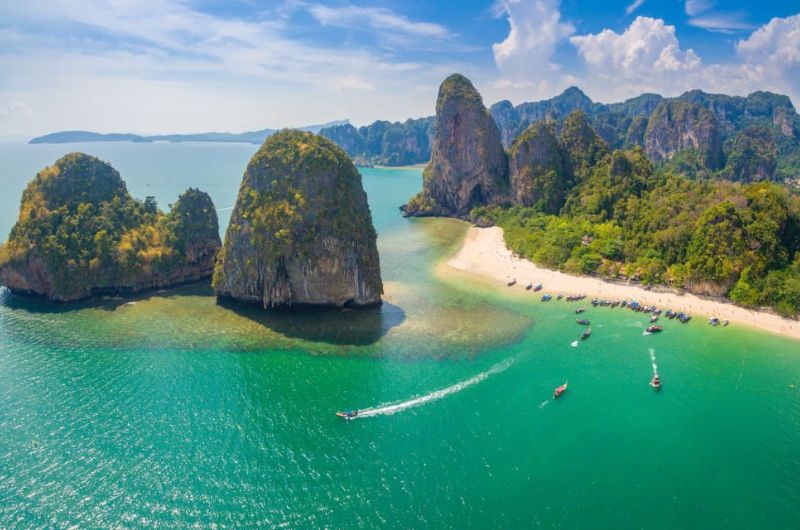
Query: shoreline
[[484, 253], [406, 167]]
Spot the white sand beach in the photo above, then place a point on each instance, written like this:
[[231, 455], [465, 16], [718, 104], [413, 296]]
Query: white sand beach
[[484, 253]]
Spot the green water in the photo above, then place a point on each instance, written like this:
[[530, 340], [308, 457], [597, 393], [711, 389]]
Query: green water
[[172, 411]]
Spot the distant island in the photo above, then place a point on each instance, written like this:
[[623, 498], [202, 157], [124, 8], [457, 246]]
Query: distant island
[[301, 233], [699, 134], [250, 137]]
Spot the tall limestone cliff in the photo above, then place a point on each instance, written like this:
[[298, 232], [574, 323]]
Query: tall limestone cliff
[[513, 121], [80, 234], [753, 156], [301, 232], [582, 147], [677, 126], [348, 138], [468, 165], [539, 172], [507, 119], [385, 143]]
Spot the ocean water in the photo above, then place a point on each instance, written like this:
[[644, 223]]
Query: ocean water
[[170, 410]]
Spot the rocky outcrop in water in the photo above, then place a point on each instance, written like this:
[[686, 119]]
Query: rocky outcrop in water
[[80, 234], [301, 232], [468, 166]]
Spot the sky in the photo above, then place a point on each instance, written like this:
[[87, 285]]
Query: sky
[[179, 66]]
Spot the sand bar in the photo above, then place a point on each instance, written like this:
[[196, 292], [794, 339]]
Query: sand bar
[[484, 253]]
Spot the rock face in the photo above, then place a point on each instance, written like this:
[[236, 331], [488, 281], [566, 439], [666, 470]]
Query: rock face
[[385, 143], [347, 137], [676, 126], [80, 234], [539, 175], [507, 119], [512, 121], [301, 232], [468, 166], [195, 228], [580, 144]]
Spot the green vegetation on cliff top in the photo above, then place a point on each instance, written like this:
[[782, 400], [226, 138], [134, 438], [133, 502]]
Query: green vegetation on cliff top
[[292, 196], [80, 231], [457, 86], [629, 221]]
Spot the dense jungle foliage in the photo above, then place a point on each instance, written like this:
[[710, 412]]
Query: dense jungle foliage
[[625, 218]]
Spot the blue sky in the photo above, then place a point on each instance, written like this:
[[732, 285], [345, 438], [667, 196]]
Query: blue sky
[[155, 66]]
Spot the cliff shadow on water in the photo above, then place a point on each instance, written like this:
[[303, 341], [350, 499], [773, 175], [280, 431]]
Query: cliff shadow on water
[[338, 326], [110, 301]]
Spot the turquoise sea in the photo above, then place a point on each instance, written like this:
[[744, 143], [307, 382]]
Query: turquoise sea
[[170, 411]]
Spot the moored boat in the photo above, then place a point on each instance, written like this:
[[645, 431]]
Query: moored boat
[[582, 321], [653, 318], [580, 310], [538, 287], [560, 390], [529, 286], [586, 333], [512, 281], [654, 329], [714, 321], [547, 297]]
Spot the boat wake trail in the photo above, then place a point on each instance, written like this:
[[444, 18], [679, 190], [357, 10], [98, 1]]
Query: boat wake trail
[[653, 360], [436, 395], [545, 402], [574, 344]]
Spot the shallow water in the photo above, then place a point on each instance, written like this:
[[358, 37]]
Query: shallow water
[[170, 410]]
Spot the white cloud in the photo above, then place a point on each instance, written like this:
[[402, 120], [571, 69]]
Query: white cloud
[[159, 65], [535, 29], [777, 41], [375, 18], [647, 56], [646, 52], [702, 15], [695, 7], [721, 22], [634, 6], [771, 57], [15, 108]]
